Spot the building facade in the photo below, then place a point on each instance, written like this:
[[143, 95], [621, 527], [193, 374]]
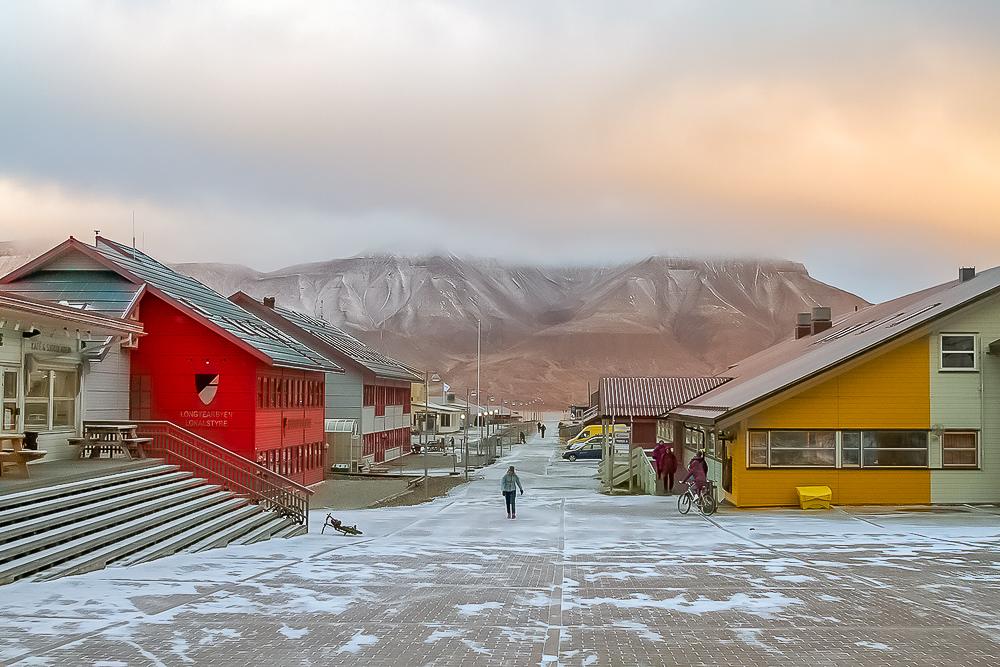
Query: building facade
[[373, 389], [203, 363], [894, 404]]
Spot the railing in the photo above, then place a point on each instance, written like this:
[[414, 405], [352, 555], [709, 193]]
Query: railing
[[645, 473], [194, 454], [634, 469]]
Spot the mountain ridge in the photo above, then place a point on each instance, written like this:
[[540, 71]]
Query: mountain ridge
[[547, 330]]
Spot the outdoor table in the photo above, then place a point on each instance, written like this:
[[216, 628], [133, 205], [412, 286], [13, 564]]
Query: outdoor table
[[108, 438], [15, 454]]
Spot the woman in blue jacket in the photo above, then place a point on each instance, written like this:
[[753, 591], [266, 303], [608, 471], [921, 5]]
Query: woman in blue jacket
[[509, 484]]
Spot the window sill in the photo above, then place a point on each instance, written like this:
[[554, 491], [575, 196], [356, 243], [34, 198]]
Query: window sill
[[958, 370]]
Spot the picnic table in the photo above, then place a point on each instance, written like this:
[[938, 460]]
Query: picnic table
[[12, 452], [110, 439]]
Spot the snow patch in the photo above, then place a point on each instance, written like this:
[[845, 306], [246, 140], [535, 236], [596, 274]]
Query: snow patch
[[293, 633], [878, 646], [476, 608], [358, 642]]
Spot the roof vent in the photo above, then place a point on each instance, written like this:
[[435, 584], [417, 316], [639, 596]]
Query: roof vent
[[822, 319], [803, 325], [966, 273], [269, 301]]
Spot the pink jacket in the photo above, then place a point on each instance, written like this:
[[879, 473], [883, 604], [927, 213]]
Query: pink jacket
[[696, 471]]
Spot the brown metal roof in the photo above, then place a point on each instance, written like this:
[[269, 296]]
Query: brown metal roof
[[783, 366], [650, 396]]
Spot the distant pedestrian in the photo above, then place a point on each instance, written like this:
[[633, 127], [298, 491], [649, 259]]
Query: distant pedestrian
[[541, 427], [509, 484], [521, 439], [669, 469]]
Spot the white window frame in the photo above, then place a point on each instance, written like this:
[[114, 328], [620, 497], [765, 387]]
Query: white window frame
[[978, 449], [50, 400], [942, 352]]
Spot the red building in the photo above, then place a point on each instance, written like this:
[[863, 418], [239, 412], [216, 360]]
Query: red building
[[205, 364]]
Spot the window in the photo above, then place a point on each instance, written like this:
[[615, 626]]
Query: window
[[960, 449], [803, 448], [758, 448], [50, 400], [894, 449], [850, 449], [958, 352]]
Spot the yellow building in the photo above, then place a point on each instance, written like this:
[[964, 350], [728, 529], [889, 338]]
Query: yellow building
[[898, 403]]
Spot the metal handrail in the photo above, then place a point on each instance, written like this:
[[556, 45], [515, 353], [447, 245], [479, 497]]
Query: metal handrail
[[195, 454]]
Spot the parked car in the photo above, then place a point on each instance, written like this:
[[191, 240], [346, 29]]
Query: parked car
[[590, 449], [589, 432]]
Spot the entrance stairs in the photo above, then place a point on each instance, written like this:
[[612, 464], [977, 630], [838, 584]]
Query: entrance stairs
[[124, 518]]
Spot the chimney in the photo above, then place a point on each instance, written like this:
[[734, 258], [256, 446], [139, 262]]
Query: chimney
[[803, 325], [822, 319], [966, 273], [269, 301]]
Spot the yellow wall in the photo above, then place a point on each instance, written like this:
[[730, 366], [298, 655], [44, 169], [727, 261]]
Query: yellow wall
[[891, 391]]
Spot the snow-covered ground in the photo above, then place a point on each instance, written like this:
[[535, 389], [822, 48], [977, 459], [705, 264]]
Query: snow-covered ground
[[578, 579]]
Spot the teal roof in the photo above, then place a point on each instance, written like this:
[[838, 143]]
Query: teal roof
[[380, 364], [103, 292], [283, 350]]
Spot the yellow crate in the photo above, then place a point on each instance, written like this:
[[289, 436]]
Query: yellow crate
[[814, 497]]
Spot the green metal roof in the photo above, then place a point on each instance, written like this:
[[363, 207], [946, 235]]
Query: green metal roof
[[380, 364], [282, 349], [103, 292]]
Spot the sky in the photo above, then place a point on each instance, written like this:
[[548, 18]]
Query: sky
[[858, 138]]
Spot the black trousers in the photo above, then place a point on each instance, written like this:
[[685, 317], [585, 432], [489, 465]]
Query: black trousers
[[508, 497], [668, 482]]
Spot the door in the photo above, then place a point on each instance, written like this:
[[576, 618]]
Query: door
[[9, 390]]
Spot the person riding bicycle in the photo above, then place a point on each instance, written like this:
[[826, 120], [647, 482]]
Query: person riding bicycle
[[698, 471]]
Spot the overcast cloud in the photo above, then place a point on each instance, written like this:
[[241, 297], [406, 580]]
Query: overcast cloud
[[859, 138]]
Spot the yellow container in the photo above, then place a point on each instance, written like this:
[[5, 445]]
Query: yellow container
[[814, 497]]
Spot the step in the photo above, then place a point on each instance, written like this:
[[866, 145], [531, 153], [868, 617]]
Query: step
[[188, 537], [265, 532], [45, 538], [11, 500], [84, 504], [232, 533], [291, 531], [99, 559], [54, 555]]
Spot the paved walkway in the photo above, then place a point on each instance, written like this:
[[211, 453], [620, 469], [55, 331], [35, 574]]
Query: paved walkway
[[577, 579]]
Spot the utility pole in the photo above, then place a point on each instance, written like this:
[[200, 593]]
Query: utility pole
[[423, 447], [466, 457], [479, 388]]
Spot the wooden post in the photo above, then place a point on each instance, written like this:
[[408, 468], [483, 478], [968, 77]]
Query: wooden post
[[607, 453]]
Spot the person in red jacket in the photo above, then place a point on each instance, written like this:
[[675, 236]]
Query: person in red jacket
[[669, 470], [698, 471]]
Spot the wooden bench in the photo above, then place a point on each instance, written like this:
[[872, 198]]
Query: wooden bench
[[135, 446]]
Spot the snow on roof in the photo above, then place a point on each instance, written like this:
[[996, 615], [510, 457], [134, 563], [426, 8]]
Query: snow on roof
[[788, 363], [281, 349], [295, 323], [650, 396]]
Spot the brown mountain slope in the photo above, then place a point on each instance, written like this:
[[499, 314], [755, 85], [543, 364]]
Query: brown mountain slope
[[548, 331]]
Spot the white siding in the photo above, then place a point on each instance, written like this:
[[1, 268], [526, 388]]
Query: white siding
[[958, 403], [344, 393], [106, 387], [368, 419]]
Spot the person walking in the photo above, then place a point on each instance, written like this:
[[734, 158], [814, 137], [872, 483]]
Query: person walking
[[541, 429], [669, 470], [509, 484]]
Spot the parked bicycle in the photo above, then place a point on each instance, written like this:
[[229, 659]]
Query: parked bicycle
[[339, 526], [704, 501]]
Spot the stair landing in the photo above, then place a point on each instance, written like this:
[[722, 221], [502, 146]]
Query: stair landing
[[62, 471]]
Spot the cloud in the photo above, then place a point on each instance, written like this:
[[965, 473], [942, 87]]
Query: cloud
[[551, 131]]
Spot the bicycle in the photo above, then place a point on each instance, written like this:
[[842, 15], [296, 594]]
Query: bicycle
[[704, 501]]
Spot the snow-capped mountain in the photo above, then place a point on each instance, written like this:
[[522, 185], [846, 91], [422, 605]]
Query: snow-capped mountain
[[547, 331]]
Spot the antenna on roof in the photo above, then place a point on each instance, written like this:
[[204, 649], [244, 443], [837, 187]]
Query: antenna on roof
[[97, 234], [133, 234]]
